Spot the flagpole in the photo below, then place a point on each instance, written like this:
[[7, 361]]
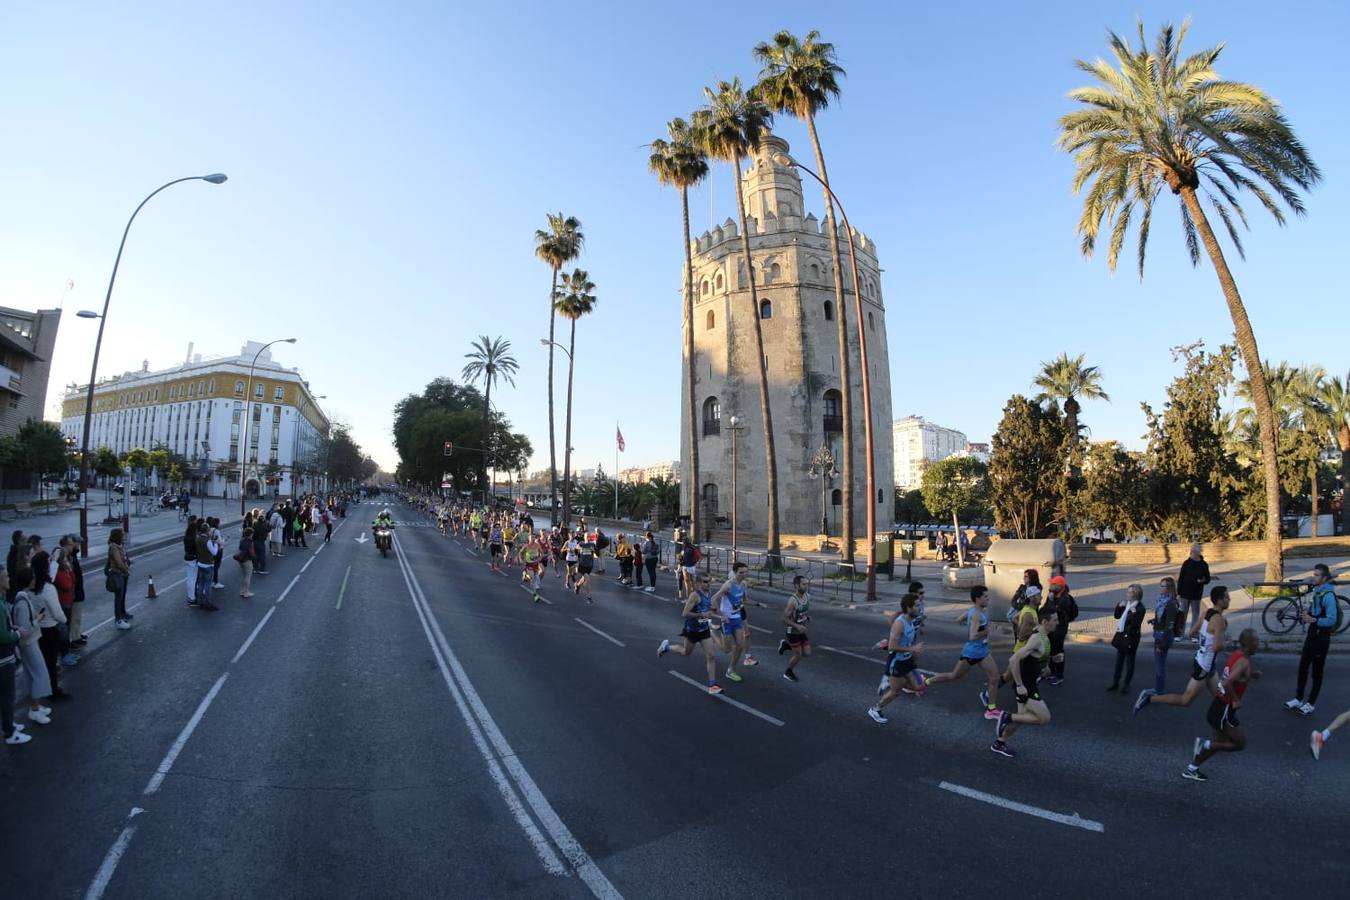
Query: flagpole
[[616, 470]]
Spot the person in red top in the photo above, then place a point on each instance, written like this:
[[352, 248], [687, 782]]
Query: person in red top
[[65, 595], [1227, 736]]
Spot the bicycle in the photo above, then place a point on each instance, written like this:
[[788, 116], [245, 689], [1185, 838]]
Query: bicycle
[[1283, 613]]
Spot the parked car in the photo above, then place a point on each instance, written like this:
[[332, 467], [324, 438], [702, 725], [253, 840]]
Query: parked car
[[120, 488]]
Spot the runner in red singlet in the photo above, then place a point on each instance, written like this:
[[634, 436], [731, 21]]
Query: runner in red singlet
[[1227, 736]]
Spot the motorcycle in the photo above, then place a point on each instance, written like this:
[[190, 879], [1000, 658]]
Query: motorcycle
[[383, 540]]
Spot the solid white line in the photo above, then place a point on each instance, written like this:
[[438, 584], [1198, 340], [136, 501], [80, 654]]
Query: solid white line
[[288, 588], [580, 860], [757, 628], [257, 628], [529, 590], [871, 659], [725, 699], [1073, 820], [309, 562], [110, 861], [320, 550], [585, 624], [167, 763], [552, 864]]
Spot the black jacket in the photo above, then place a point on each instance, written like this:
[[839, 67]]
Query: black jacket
[[1134, 623], [1192, 580]]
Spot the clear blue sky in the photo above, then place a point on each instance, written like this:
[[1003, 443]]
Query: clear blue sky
[[389, 164]]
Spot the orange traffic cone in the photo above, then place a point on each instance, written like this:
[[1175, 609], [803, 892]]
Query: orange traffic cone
[[150, 589]]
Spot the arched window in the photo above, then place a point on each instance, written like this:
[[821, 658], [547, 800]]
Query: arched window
[[829, 310], [765, 309], [703, 288], [775, 272], [239, 388], [834, 419], [836, 497], [710, 498], [871, 322], [712, 320], [721, 282], [815, 272], [881, 495], [712, 416]]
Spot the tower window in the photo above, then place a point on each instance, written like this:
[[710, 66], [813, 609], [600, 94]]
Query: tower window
[[833, 418], [836, 497], [710, 498], [721, 282], [712, 320], [765, 309], [775, 272], [704, 287], [871, 322], [829, 311], [712, 416]]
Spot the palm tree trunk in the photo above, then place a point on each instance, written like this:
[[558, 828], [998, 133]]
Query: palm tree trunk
[[487, 415], [567, 445], [552, 445], [692, 475], [770, 455], [1251, 357], [1343, 442], [845, 366], [1312, 497]]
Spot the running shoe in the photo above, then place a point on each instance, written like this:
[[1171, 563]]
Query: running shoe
[[1191, 774], [751, 661], [537, 598], [1056, 679], [1196, 749], [663, 649], [714, 688], [991, 713], [790, 675], [782, 646], [1143, 699], [1306, 709], [1002, 749], [876, 715], [37, 715], [984, 697], [1315, 744], [733, 676], [1293, 704], [70, 660], [18, 737], [124, 625]]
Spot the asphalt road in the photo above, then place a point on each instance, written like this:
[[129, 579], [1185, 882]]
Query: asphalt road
[[414, 726]]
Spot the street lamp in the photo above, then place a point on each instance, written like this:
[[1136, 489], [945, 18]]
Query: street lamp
[[735, 427], [248, 416], [783, 159], [98, 344], [822, 464], [553, 472]]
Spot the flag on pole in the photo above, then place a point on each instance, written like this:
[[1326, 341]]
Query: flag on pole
[[618, 437]]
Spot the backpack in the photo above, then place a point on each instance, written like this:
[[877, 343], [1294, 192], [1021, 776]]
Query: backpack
[[1070, 607], [601, 541], [697, 556]]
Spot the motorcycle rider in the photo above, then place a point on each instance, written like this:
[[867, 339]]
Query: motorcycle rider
[[384, 519]]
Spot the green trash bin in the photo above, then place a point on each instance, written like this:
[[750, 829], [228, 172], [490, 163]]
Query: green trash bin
[[883, 553]]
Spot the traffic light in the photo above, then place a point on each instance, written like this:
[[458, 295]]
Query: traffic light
[[449, 447]]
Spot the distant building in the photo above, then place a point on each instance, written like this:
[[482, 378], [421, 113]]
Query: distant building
[[976, 451], [918, 444], [635, 475], [668, 470], [26, 342], [195, 410]]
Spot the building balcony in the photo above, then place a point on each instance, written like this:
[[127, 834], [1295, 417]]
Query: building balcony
[[834, 424], [11, 381]]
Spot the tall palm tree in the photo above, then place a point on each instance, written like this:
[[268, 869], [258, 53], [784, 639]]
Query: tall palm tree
[[556, 245], [800, 78], [1157, 120], [1336, 398], [572, 300], [727, 127], [491, 362], [1066, 380], [680, 163]]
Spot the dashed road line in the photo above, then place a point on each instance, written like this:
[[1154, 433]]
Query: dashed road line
[[1074, 820], [583, 623], [530, 590], [725, 699], [343, 589]]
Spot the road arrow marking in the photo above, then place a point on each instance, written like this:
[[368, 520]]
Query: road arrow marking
[[362, 539]]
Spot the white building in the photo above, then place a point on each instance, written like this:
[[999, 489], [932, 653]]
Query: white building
[[667, 470], [195, 410], [919, 444], [980, 452]]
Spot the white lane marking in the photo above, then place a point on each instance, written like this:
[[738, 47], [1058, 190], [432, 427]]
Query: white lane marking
[[552, 864], [309, 562], [583, 623], [113, 857], [288, 588], [871, 659], [1074, 820], [757, 628], [529, 590], [167, 763], [317, 552], [571, 848], [257, 628], [137, 605], [725, 699]]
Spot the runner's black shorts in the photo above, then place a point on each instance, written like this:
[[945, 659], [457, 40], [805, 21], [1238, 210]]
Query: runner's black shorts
[[899, 668], [693, 636], [1199, 674], [495, 549], [794, 639], [584, 568], [1220, 715]]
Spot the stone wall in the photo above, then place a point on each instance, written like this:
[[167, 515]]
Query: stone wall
[[1215, 551]]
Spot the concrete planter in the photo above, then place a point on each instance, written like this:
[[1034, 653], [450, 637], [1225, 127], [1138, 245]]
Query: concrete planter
[[955, 577]]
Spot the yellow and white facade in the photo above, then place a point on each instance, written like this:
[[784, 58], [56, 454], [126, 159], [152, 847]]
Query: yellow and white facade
[[197, 410]]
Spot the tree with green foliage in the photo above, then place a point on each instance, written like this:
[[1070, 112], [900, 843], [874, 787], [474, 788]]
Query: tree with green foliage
[[1026, 468], [446, 411], [957, 486], [1336, 398], [1157, 120], [106, 463], [491, 362], [1114, 494], [1068, 380], [909, 506], [42, 447], [575, 298], [556, 246]]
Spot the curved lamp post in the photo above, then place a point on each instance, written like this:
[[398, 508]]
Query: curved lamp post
[[98, 344], [783, 159], [248, 417], [822, 466]]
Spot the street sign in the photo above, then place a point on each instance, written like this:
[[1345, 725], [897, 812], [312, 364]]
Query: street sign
[[449, 447]]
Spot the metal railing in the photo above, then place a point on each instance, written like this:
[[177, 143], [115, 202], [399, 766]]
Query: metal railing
[[827, 579]]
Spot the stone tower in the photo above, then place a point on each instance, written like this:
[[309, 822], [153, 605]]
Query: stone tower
[[791, 259]]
